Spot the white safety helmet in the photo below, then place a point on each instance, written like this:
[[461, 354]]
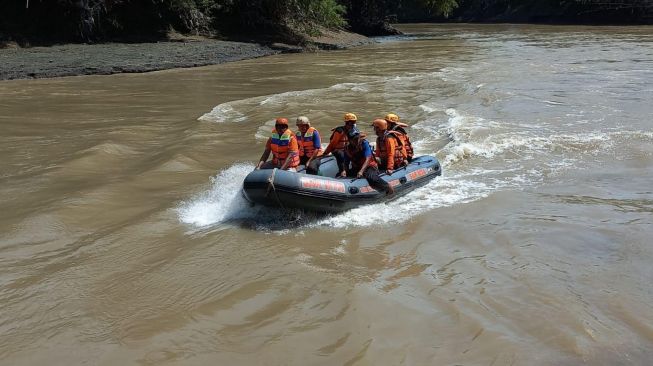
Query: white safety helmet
[[303, 120]]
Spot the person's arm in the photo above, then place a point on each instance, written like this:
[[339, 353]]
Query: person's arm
[[328, 150], [316, 153], [293, 150], [335, 138], [365, 164], [346, 162], [367, 152], [291, 155], [390, 149], [265, 156], [317, 143]]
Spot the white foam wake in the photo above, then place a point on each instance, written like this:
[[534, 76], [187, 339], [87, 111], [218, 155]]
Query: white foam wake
[[482, 157], [505, 158], [221, 202], [442, 192], [241, 110]]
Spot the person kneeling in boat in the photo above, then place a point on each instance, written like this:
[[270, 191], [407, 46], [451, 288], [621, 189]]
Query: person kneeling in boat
[[310, 146], [284, 148], [395, 125], [363, 163], [389, 148], [338, 140]]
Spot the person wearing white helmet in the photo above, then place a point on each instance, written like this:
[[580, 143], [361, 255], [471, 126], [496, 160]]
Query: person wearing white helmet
[[310, 145]]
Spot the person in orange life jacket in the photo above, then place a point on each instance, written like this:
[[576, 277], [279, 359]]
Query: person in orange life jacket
[[388, 147], [395, 125], [284, 148], [310, 146], [359, 154], [338, 140]]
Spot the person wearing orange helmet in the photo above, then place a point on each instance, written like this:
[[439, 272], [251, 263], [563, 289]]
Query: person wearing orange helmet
[[284, 148], [395, 125], [338, 140], [310, 146], [389, 148], [358, 154]]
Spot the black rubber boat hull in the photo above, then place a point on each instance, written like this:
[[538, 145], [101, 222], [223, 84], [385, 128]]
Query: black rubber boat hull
[[321, 193]]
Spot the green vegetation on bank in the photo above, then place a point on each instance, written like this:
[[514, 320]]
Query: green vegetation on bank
[[47, 21], [556, 11], [98, 20]]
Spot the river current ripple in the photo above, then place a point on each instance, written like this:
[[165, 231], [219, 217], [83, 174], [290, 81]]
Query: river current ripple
[[124, 239]]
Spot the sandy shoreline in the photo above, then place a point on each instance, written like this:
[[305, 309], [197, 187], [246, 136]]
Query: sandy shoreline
[[113, 58]]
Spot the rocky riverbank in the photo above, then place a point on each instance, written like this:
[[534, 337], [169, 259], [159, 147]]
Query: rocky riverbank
[[112, 58]]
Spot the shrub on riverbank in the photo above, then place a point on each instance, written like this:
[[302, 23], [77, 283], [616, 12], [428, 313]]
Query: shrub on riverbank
[[556, 11], [30, 21], [97, 20]]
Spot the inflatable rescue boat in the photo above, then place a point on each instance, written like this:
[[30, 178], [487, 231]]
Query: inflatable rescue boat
[[323, 193]]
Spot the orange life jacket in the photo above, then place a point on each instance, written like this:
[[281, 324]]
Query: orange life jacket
[[280, 146], [306, 146], [355, 154], [341, 143], [405, 141], [400, 153]]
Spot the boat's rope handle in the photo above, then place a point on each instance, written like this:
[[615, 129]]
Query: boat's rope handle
[[270, 183], [274, 189], [405, 167]]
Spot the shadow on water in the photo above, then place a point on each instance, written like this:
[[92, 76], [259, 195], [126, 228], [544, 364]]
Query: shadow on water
[[269, 220], [277, 219]]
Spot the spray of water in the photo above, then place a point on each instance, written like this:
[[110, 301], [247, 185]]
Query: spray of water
[[221, 202], [481, 157]]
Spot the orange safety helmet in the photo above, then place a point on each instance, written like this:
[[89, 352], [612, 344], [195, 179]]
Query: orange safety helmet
[[380, 124], [391, 117], [282, 121], [350, 117]]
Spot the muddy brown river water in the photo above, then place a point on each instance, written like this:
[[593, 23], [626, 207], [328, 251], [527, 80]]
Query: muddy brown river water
[[124, 239]]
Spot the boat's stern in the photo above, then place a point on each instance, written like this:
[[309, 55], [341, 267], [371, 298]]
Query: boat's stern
[[280, 188], [256, 186]]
